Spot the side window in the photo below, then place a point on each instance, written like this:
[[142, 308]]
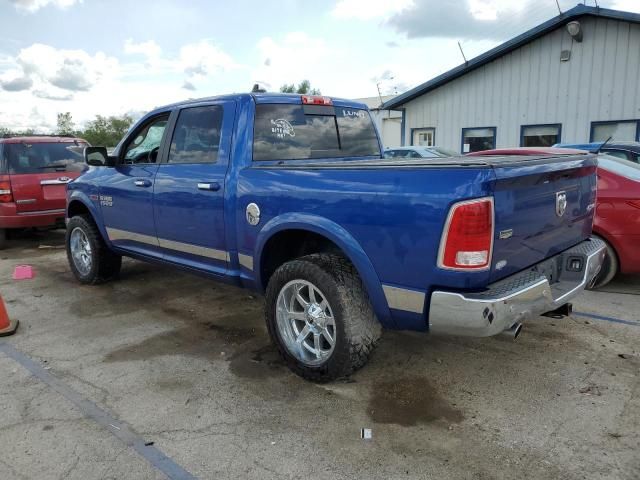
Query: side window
[[196, 138], [146, 142], [619, 153], [478, 139]]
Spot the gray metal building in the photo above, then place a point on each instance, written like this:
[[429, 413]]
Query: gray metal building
[[388, 122], [574, 78]]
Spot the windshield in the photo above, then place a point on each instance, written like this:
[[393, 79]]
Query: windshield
[[619, 166], [44, 157], [288, 132]]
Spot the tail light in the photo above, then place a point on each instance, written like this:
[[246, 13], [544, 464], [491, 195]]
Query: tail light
[[467, 239], [316, 100], [5, 191], [634, 203]]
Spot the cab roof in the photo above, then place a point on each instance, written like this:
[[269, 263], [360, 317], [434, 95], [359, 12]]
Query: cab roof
[[259, 97], [40, 139]]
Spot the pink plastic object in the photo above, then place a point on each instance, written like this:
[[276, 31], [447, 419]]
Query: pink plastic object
[[23, 272]]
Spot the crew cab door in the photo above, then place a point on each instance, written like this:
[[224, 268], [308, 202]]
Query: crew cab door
[[190, 184], [126, 192]]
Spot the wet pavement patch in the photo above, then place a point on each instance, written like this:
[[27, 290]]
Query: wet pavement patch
[[264, 362], [199, 340], [410, 401]]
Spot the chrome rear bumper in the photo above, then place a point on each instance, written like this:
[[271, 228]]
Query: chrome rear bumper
[[519, 297]]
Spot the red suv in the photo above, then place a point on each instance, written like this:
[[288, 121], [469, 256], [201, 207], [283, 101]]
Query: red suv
[[34, 172]]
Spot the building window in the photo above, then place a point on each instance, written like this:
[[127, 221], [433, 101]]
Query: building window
[[626, 130], [540, 135], [424, 137], [477, 139]]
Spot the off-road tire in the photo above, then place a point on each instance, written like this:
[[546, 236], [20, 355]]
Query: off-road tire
[[3, 238], [609, 268], [357, 328], [105, 264]]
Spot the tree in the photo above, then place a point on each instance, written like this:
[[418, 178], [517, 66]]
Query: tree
[[304, 88], [65, 124], [106, 131]]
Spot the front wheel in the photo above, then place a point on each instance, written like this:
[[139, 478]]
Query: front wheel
[[320, 318], [90, 259]]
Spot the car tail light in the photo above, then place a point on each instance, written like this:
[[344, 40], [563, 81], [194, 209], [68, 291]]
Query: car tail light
[[467, 239], [5, 191], [316, 100], [634, 203]]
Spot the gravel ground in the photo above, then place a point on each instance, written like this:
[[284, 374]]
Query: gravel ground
[[185, 364]]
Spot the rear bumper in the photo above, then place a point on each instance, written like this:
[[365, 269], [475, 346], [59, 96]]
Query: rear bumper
[[519, 297], [10, 218]]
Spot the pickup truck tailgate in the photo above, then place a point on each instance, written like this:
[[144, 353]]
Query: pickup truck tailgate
[[542, 207]]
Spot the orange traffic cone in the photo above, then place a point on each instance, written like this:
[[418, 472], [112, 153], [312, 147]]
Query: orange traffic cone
[[7, 327]]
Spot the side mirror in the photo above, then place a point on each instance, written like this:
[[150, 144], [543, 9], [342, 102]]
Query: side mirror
[[98, 157]]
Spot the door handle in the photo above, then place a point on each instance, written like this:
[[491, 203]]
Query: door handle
[[142, 183], [212, 186]]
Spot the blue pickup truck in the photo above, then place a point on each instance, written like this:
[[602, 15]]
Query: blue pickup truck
[[290, 196]]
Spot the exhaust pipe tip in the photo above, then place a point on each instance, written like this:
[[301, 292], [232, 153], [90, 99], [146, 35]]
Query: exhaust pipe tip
[[514, 331]]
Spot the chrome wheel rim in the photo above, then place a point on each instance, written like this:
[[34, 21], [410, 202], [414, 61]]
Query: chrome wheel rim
[[305, 322], [80, 251]]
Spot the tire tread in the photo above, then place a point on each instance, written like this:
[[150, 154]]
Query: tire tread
[[108, 263], [362, 329]]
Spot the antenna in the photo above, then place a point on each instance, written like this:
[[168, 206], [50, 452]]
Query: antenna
[[558, 5], [603, 144], [462, 52]]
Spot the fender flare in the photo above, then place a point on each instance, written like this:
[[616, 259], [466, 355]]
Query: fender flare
[[78, 196], [343, 239]]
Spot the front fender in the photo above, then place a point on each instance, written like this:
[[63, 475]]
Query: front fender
[[343, 239], [92, 206]]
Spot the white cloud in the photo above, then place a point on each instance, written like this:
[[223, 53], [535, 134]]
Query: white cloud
[[59, 80], [149, 49], [204, 58], [35, 5], [368, 9], [294, 58], [627, 5], [72, 70], [12, 83]]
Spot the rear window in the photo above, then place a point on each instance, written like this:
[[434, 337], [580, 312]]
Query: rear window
[[44, 157], [625, 168], [292, 132]]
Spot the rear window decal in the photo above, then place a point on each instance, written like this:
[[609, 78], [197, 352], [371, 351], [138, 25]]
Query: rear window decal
[[281, 128], [353, 113]]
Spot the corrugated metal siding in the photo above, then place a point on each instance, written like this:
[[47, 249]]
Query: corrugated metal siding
[[531, 86]]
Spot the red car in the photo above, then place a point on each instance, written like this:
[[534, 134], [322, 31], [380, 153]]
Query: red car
[[617, 219], [34, 172]]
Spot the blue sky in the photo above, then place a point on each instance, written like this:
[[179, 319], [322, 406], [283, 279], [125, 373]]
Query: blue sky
[[104, 57]]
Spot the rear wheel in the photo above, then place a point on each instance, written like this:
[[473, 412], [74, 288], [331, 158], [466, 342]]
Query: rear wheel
[[3, 238], [320, 318], [609, 266], [90, 259]]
